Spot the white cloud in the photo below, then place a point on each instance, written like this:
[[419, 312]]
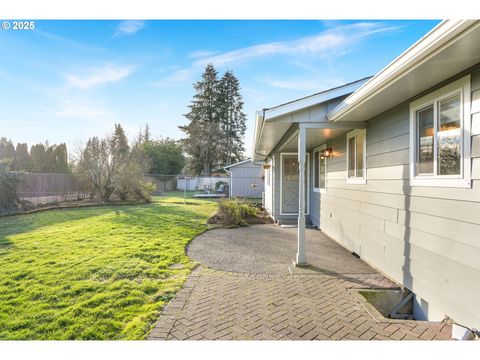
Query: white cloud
[[331, 42], [177, 76], [201, 54], [97, 76], [302, 83], [129, 27], [72, 109], [69, 42]]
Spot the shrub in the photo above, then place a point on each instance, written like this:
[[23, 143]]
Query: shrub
[[115, 170], [9, 183], [142, 191], [233, 212]]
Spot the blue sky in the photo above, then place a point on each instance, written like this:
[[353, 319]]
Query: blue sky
[[66, 81]]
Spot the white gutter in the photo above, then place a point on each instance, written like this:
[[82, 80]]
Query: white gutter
[[259, 122], [283, 109], [428, 46], [237, 163], [312, 100]]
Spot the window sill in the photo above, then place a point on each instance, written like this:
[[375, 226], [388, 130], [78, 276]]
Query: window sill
[[360, 181], [439, 182]]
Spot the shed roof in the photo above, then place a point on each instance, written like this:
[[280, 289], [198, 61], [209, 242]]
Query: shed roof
[[240, 163]]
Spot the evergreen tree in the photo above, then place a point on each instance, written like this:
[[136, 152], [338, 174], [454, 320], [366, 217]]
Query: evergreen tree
[[139, 138], [60, 156], [203, 131], [147, 136], [119, 142], [232, 120], [22, 160], [38, 157], [7, 153], [49, 165], [165, 156]]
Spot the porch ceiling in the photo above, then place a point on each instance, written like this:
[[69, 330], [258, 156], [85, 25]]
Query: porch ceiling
[[271, 135], [275, 125], [315, 137]]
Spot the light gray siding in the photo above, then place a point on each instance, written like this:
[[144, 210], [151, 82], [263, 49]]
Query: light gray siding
[[425, 238], [246, 180]]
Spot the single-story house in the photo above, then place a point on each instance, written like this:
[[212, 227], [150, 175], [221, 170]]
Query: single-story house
[[389, 167], [246, 179]]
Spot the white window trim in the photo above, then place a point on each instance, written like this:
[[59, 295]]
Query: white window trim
[[319, 149], [268, 175], [307, 162], [363, 179], [463, 180]]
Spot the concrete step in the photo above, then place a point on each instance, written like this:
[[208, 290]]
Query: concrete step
[[292, 223]]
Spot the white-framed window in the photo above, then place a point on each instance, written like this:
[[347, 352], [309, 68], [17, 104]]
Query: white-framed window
[[356, 157], [440, 137], [319, 169]]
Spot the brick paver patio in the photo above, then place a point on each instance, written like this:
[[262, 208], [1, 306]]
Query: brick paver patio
[[225, 306], [221, 305]]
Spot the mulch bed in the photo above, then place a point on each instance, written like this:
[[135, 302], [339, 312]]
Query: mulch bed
[[261, 218]]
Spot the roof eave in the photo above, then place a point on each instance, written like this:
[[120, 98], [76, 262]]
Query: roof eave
[[417, 54]]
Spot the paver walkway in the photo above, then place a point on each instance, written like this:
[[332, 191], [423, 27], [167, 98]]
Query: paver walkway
[[317, 303]]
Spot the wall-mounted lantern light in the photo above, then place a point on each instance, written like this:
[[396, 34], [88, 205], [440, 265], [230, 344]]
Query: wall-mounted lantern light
[[328, 152]]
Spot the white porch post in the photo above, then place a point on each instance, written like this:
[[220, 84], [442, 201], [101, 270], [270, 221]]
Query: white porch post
[[302, 144]]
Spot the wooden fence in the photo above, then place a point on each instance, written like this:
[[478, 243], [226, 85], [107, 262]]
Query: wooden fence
[[45, 188]]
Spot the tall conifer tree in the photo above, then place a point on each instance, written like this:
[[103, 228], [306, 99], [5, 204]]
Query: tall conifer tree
[[38, 155], [203, 132], [22, 160], [232, 119]]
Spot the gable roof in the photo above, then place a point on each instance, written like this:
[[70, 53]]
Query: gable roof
[[314, 99], [266, 128]]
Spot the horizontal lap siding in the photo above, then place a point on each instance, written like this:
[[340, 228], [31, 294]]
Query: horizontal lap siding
[[243, 176], [423, 237]]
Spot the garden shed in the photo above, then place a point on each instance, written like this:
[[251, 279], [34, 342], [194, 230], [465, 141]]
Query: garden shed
[[246, 179]]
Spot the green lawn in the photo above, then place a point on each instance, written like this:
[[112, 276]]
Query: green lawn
[[94, 273]]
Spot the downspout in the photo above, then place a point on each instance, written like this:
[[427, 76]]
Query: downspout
[[230, 186], [254, 150]]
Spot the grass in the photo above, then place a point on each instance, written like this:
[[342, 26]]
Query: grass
[[95, 273]]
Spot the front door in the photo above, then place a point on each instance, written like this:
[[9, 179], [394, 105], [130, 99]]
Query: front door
[[290, 178]]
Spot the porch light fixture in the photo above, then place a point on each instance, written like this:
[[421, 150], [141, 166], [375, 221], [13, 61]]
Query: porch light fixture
[[266, 166], [328, 152]]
